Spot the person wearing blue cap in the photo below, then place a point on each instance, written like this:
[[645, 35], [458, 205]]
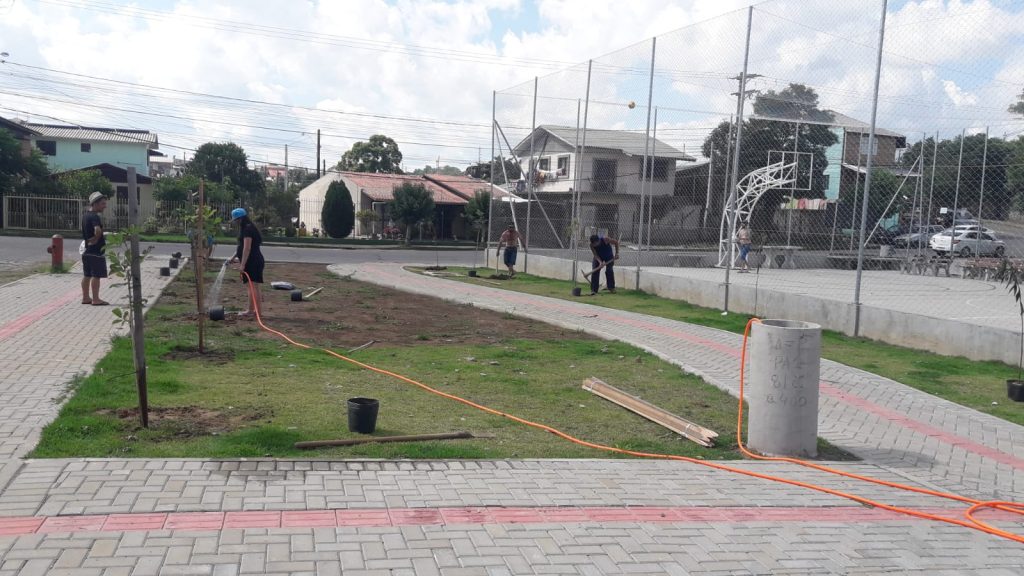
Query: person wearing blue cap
[[249, 257]]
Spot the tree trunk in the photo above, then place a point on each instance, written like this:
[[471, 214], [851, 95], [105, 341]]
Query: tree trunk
[[408, 233]]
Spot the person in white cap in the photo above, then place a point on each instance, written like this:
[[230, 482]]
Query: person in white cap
[[94, 260]]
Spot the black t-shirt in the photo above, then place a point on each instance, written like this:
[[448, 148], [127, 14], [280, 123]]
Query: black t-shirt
[[89, 223], [249, 231]]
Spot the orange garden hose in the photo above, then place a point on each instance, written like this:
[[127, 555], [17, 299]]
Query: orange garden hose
[[970, 521]]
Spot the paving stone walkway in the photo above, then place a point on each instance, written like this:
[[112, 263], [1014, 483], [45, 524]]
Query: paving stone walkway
[[173, 516], [924, 438]]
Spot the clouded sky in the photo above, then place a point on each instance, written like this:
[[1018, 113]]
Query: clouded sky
[[423, 72]]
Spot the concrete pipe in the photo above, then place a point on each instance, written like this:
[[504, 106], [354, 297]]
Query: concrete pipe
[[782, 396]]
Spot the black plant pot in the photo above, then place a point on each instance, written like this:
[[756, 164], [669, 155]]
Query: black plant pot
[[176, 255], [296, 295], [472, 273], [173, 263], [165, 271], [1015, 390], [216, 313]]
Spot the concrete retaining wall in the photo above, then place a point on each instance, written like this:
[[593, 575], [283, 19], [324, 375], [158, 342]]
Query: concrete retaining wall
[[938, 335]]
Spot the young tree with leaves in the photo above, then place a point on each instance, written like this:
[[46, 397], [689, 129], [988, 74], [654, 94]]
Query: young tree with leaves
[[338, 213], [82, 183], [413, 204], [380, 155], [477, 211]]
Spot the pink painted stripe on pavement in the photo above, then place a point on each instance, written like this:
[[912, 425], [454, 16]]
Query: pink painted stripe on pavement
[[827, 389], [390, 517], [28, 318]]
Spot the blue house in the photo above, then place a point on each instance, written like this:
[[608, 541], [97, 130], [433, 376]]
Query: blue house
[[73, 147]]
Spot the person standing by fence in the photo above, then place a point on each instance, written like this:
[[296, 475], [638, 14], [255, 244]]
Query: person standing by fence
[[511, 239], [94, 258], [745, 242], [606, 252]]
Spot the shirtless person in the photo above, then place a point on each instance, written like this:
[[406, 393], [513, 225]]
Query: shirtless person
[[511, 240]]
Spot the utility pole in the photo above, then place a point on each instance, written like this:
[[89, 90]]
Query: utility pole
[[735, 176], [318, 154]]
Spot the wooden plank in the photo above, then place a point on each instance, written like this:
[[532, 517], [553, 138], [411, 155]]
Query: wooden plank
[[681, 426], [382, 439]]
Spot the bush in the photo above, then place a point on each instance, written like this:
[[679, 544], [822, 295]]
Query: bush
[[150, 226], [413, 205], [338, 214]]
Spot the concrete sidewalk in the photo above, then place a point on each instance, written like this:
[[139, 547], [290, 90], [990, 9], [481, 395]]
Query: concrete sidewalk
[[172, 516]]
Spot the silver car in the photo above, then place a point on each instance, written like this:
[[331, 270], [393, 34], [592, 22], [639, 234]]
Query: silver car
[[968, 243]]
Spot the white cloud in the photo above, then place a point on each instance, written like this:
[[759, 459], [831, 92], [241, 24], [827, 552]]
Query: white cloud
[[949, 64]]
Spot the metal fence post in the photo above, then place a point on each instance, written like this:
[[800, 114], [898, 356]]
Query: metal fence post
[[583, 153], [490, 192], [529, 185], [867, 176], [647, 163]]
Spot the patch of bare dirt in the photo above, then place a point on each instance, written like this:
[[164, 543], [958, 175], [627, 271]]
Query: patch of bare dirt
[[191, 421], [349, 313], [214, 356]]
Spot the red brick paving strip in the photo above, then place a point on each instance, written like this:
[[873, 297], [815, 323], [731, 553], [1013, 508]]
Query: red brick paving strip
[[209, 521], [28, 318]]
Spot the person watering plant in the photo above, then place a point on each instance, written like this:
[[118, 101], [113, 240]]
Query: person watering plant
[[249, 258]]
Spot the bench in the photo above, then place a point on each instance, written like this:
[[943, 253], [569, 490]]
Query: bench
[[780, 256]]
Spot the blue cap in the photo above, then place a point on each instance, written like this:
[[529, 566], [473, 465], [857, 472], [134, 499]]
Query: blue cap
[[238, 213]]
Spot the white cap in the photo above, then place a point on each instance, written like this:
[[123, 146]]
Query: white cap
[[95, 197]]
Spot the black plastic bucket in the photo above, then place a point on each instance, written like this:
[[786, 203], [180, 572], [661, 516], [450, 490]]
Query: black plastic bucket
[[296, 295], [173, 263], [362, 415], [165, 271], [472, 273], [577, 291], [1015, 390], [216, 313]]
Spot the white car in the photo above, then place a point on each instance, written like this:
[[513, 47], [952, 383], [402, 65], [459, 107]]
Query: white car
[[972, 228], [967, 243]]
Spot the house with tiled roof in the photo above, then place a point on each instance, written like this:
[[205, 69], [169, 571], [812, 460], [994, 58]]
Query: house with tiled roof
[[375, 192], [74, 147]]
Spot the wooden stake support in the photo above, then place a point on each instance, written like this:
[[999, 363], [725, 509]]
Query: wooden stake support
[[695, 432], [382, 439], [313, 293]]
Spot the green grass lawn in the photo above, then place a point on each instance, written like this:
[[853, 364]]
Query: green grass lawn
[[17, 273], [978, 385], [252, 395]]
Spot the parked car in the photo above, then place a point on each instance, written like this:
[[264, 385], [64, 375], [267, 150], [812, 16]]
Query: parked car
[[918, 236], [973, 228], [967, 243]]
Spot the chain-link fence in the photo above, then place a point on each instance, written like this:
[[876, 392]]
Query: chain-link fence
[[751, 141]]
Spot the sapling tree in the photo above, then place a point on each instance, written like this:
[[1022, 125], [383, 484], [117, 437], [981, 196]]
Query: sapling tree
[[1010, 276]]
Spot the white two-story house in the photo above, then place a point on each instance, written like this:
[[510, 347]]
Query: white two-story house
[[612, 172]]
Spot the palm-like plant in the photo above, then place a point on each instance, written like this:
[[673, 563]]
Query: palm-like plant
[[1011, 277]]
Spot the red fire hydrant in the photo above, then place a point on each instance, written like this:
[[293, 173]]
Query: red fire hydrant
[[56, 250]]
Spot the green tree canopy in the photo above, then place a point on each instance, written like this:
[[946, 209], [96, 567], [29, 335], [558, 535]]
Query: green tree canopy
[[483, 170], [477, 211], [445, 170], [380, 156], [183, 188], [782, 121], [413, 204], [21, 174], [338, 214], [226, 163], [1003, 179], [82, 183]]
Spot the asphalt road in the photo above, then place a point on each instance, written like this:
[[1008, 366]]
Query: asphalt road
[[14, 250]]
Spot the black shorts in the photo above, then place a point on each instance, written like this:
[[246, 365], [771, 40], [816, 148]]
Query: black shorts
[[255, 272], [94, 265]]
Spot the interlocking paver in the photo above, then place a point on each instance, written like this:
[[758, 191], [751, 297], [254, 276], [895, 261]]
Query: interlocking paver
[[876, 418], [389, 514]]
